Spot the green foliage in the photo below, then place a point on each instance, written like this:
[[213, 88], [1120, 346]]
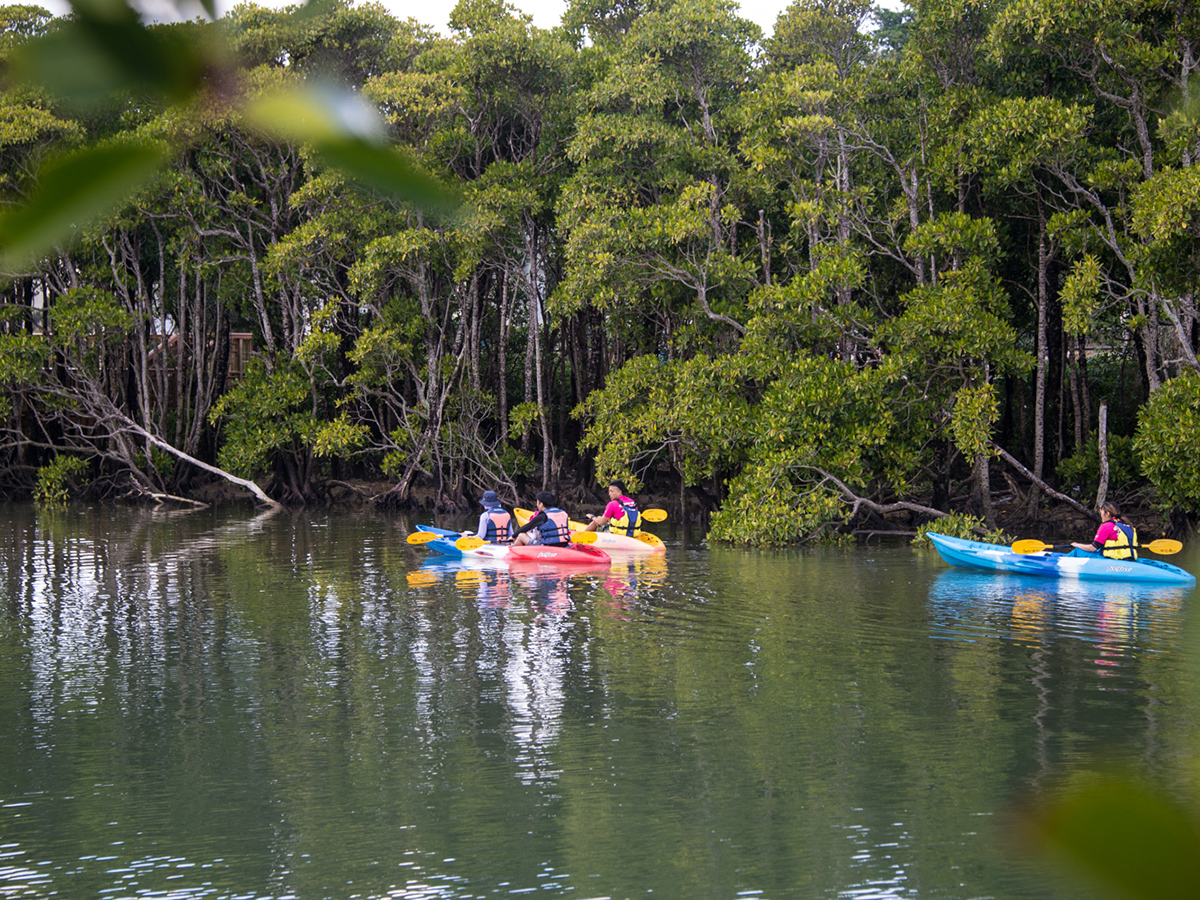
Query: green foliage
[[161, 461], [267, 414], [105, 51], [338, 437], [771, 502], [85, 313], [521, 418], [23, 359], [1168, 442], [54, 479], [1080, 295], [1080, 472], [960, 525], [976, 410], [1131, 838]]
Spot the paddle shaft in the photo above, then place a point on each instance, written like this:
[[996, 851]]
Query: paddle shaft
[[1163, 546]]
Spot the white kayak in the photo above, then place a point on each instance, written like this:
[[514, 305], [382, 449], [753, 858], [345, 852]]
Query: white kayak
[[606, 541]]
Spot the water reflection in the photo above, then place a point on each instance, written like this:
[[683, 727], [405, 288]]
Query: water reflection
[[1034, 611], [308, 707]]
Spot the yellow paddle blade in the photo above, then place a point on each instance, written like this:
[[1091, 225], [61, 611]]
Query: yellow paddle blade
[[583, 537], [469, 543], [652, 539], [1030, 546], [1163, 546], [654, 515], [422, 537]]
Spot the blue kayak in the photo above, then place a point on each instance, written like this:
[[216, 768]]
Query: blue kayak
[[998, 558], [444, 544]]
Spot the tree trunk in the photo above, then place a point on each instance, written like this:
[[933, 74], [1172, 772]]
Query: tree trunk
[[1102, 444]]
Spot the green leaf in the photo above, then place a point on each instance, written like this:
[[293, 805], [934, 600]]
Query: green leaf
[[72, 191], [1128, 837], [385, 169], [105, 49], [349, 134]]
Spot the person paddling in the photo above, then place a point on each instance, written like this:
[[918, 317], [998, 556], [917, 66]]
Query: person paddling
[[1115, 539], [495, 523], [621, 515], [549, 526]]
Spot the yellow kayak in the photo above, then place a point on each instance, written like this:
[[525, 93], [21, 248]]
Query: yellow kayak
[[609, 543]]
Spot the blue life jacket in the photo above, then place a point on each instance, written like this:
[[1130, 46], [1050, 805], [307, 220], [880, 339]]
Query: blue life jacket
[[629, 523], [556, 529]]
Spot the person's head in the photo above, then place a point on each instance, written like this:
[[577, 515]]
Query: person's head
[[616, 490], [545, 499], [489, 500], [1109, 510]]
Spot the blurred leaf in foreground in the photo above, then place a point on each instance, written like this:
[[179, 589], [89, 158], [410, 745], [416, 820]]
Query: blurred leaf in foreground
[[349, 134], [1125, 836], [73, 190], [105, 49]]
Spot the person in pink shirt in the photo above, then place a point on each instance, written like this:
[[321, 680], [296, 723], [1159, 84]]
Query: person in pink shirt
[[621, 515], [1115, 538]]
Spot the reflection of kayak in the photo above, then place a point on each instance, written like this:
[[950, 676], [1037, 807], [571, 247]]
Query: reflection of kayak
[[575, 554], [998, 558], [445, 545], [606, 541]]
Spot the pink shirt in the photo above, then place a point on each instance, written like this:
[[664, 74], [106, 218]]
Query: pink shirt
[[1106, 532], [614, 509]]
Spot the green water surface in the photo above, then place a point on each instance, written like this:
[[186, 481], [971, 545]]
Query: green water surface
[[218, 704]]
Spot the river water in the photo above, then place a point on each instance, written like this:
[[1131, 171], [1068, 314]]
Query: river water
[[222, 705]]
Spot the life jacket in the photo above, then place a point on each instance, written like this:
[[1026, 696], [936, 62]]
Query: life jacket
[[499, 526], [629, 523], [556, 529], [1123, 545]]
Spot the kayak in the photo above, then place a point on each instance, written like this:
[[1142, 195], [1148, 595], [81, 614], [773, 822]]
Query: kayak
[[606, 541], [998, 558], [573, 554], [445, 545]]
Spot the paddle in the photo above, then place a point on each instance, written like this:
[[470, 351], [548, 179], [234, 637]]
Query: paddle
[[654, 515], [422, 537], [469, 543], [583, 537], [1163, 546]]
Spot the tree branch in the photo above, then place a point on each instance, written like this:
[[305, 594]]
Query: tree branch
[[1070, 501]]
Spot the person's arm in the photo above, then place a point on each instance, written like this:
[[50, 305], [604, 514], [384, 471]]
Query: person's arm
[[599, 522], [532, 523], [1103, 533]]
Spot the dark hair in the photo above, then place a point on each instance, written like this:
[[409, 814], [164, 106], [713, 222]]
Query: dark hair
[[1111, 508], [619, 485], [545, 498]]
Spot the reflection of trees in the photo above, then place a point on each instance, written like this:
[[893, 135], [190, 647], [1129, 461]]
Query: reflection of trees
[[799, 724]]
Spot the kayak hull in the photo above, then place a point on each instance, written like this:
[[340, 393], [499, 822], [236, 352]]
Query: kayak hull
[[445, 545], [609, 543], [575, 555], [998, 558]]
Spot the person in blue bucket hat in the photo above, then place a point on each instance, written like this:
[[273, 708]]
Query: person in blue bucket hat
[[495, 523]]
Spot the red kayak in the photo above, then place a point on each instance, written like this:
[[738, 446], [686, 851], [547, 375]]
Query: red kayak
[[575, 554]]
